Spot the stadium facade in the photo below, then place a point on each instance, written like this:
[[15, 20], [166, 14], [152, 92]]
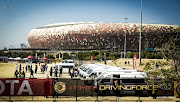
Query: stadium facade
[[100, 36]]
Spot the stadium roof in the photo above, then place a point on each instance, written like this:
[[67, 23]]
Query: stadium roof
[[76, 23]]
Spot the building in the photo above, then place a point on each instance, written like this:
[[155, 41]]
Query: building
[[100, 36]]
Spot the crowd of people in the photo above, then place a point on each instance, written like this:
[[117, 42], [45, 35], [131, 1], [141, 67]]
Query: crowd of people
[[73, 72], [56, 70], [20, 72]]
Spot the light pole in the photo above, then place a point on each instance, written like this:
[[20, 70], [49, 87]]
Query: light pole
[[125, 41], [140, 37]]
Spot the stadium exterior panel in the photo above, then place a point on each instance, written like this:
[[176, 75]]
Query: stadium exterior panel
[[100, 36]]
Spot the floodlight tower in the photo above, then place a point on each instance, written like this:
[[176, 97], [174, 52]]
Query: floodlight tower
[[140, 37], [125, 41]]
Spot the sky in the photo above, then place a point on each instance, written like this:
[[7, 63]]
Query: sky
[[19, 17]]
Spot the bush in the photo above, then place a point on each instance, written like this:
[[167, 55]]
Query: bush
[[129, 55], [50, 57], [143, 54], [66, 56], [137, 54], [158, 55], [150, 56]]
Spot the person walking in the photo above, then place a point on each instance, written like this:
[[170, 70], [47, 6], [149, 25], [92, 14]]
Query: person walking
[[51, 71], [69, 70], [26, 68], [46, 87], [20, 74], [36, 69], [23, 74], [55, 73], [16, 74], [125, 62], [20, 68], [72, 73], [60, 71], [32, 73], [75, 73], [46, 66]]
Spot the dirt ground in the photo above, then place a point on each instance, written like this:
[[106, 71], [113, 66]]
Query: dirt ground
[[7, 71]]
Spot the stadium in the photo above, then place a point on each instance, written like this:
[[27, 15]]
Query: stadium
[[100, 36]]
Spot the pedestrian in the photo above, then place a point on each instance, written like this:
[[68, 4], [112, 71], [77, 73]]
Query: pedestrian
[[32, 73], [20, 74], [69, 70], [46, 66], [20, 68], [51, 71], [46, 87], [26, 68], [60, 71], [72, 73], [16, 74], [154, 94], [43, 68], [128, 62], [36, 68], [77, 70], [54, 92], [75, 73], [125, 62], [23, 74], [16, 66], [156, 65], [55, 73]]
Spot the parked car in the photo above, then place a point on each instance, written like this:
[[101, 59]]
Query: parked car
[[66, 64]]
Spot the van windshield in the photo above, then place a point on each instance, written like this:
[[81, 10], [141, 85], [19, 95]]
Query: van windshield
[[85, 70], [90, 71]]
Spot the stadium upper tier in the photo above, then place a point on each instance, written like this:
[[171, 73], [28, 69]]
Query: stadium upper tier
[[100, 36]]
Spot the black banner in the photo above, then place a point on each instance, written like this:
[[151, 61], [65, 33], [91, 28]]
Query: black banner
[[108, 87]]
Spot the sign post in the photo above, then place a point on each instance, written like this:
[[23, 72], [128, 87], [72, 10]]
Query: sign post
[[134, 61], [91, 58]]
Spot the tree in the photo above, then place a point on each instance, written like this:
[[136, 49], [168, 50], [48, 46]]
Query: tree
[[23, 45], [114, 57], [168, 70], [171, 51], [129, 55]]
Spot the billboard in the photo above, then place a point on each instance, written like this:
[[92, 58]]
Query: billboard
[[77, 87], [25, 87]]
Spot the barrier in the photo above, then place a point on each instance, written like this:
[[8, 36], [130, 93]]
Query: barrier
[[76, 89]]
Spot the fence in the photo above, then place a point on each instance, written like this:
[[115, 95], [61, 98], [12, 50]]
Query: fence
[[61, 89]]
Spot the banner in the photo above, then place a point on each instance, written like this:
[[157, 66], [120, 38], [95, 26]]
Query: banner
[[177, 88], [134, 61], [72, 87], [77, 87], [25, 87]]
